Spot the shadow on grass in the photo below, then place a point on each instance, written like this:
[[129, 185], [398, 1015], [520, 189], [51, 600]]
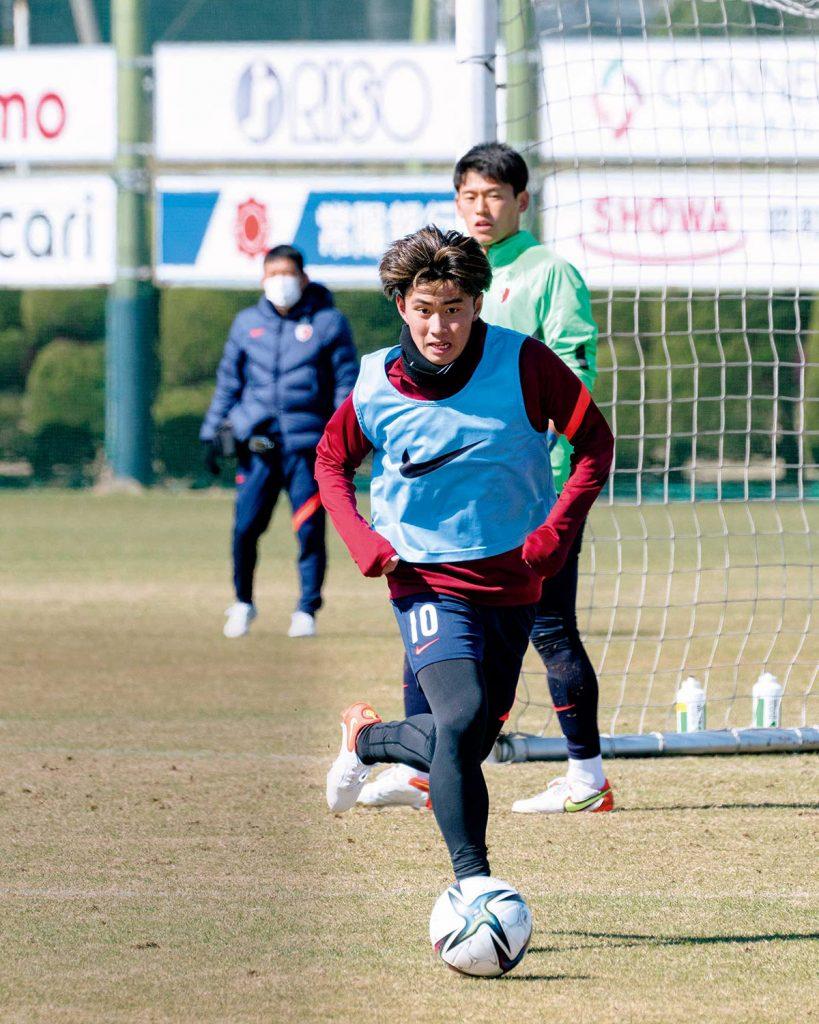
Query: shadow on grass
[[627, 940], [724, 807], [546, 977]]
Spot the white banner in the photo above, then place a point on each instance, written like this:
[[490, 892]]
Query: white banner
[[330, 102], [215, 230], [57, 232], [58, 104], [686, 229], [700, 99]]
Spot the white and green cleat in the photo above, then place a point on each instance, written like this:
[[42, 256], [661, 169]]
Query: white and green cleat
[[564, 797]]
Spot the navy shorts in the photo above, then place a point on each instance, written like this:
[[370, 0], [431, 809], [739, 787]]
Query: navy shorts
[[437, 627]]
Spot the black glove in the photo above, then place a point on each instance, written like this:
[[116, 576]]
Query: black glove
[[211, 455]]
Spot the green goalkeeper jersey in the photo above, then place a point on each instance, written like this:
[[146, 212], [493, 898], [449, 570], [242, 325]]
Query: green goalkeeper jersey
[[538, 293]]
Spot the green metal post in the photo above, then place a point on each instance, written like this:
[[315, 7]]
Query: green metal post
[[131, 310], [522, 74], [421, 21]]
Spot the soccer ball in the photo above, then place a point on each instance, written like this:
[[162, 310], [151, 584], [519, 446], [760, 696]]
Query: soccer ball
[[480, 926]]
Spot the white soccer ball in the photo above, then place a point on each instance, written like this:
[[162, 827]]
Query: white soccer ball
[[480, 926]]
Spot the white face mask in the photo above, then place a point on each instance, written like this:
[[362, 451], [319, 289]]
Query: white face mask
[[283, 290]]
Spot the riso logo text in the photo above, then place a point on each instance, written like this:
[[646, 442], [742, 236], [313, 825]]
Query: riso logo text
[[325, 101]]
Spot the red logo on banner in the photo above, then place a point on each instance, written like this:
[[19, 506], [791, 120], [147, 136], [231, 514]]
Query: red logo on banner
[[662, 229], [252, 228], [618, 100]]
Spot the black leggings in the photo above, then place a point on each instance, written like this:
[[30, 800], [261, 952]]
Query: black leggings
[[571, 676], [450, 744]]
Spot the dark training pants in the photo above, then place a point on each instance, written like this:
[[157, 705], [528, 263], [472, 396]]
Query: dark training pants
[[468, 699], [571, 677], [259, 480]]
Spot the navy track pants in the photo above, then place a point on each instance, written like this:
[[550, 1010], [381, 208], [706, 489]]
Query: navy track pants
[[259, 481]]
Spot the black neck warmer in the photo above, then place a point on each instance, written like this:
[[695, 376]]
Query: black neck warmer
[[444, 379]]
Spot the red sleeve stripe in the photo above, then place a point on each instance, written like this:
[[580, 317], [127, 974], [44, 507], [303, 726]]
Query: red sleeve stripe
[[583, 400], [302, 514]]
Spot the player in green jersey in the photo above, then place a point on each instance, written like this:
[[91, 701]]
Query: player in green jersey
[[536, 292]]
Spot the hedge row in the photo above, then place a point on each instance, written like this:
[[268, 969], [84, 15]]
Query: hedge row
[[64, 377], [695, 352]]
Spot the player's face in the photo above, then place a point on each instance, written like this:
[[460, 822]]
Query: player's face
[[490, 210], [440, 318]]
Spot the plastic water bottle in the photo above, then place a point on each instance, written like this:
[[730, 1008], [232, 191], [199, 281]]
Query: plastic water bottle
[[767, 701], [690, 706]]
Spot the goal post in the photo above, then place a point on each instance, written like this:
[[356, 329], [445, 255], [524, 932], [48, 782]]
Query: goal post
[[676, 155]]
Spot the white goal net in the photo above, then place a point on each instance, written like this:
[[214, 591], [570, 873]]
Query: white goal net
[[677, 147]]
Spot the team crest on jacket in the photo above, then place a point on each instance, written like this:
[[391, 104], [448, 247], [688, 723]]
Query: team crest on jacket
[[304, 332]]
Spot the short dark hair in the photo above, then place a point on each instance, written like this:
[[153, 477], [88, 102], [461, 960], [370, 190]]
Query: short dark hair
[[494, 160], [432, 255], [285, 252]]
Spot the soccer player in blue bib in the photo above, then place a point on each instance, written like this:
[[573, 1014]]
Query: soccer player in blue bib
[[465, 521]]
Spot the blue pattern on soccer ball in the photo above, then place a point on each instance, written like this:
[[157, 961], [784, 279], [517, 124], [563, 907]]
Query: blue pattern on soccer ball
[[476, 913]]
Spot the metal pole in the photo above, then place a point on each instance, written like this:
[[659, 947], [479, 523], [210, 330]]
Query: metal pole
[[519, 747], [85, 22], [522, 80], [421, 30], [131, 309], [476, 34], [21, 20]]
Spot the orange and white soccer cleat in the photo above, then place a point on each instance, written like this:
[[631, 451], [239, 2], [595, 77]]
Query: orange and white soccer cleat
[[397, 786], [348, 773]]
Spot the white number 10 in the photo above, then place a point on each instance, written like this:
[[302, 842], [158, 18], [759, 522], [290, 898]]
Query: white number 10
[[427, 619]]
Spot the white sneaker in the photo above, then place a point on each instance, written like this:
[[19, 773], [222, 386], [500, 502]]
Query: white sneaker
[[348, 773], [302, 624], [239, 617], [562, 797], [398, 785]]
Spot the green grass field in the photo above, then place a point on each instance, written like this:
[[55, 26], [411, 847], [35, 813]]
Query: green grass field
[[166, 854]]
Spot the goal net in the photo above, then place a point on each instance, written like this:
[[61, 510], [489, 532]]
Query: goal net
[[677, 155]]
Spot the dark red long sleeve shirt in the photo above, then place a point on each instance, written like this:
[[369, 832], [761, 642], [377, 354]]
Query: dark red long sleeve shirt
[[551, 391]]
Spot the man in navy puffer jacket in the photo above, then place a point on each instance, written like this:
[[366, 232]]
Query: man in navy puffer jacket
[[289, 362]]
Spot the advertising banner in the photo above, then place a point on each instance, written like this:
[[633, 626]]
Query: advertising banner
[[686, 229], [326, 102], [699, 99], [58, 104], [57, 232], [215, 230]]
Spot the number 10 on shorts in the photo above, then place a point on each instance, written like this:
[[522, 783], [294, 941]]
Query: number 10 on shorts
[[426, 619]]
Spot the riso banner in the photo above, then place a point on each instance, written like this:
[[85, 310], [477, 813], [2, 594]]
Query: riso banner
[[687, 229], [58, 104], [698, 99], [316, 102], [57, 232], [215, 230]]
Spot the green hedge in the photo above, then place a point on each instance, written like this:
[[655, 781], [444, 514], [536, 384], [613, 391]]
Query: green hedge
[[9, 309], [194, 325], [14, 444], [812, 388], [178, 414], [374, 320], [79, 314], [14, 359], [701, 398], [64, 406], [683, 344], [193, 328]]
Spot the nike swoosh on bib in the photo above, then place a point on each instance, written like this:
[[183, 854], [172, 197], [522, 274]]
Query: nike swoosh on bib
[[411, 470]]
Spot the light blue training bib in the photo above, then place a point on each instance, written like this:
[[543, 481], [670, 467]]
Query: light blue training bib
[[458, 479]]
